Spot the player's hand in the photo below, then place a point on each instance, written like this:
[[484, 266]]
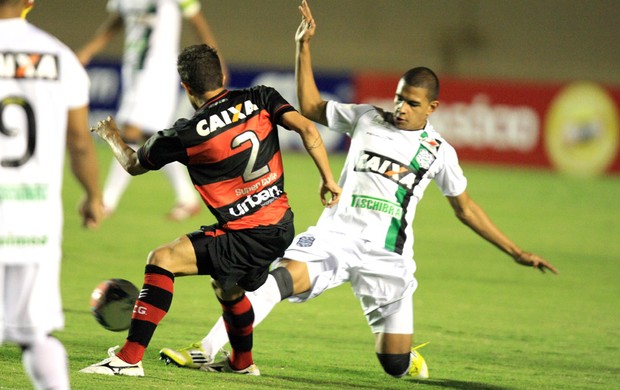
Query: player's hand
[[533, 260], [105, 128], [307, 27], [91, 211], [334, 191]]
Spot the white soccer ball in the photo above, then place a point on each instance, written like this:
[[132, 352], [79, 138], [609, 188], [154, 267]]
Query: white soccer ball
[[112, 303]]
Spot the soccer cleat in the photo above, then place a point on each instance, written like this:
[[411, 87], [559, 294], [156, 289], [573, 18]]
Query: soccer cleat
[[114, 366], [418, 368], [224, 366], [191, 357], [182, 211]]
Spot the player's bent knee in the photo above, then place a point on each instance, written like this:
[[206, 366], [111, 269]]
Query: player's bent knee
[[284, 281], [229, 295], [395, 365], [156, 257], [216, 287], [163, 257], [299, 276]]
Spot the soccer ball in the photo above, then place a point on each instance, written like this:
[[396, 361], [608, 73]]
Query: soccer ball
[[112, 302]]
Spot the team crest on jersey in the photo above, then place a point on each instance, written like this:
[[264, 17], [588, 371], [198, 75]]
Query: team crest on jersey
[[225, 117], [399, 173], [424, 158], [28, 66], [430, 144], [305, 241], [427, 153]]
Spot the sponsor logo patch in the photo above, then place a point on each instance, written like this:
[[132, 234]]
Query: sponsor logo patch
[[254, 201], [224, 118], [387, 167], [376, 204], [43, 66], [305, 241]]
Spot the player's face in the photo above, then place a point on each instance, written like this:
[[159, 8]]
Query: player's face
[[412, 107]]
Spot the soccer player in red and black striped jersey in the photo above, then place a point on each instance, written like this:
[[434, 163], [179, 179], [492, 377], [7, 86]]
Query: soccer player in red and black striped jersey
[[231, 150]]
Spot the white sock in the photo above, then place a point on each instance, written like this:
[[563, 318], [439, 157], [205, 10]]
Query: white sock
[[263, 300], [115, 185], [184, 191], [45, 361]]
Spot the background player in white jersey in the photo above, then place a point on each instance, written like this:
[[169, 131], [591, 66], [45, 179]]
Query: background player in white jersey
[[43, 107], [151, 84], [367, 238]]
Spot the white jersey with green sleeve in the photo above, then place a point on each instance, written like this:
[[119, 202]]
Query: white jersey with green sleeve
[[40, 80], [150, 81], [385, 175], [152, 28]]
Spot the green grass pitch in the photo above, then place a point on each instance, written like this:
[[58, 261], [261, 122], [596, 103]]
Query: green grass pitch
[[492, 324]]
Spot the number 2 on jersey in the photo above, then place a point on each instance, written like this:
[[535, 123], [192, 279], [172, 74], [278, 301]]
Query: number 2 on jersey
[[250, 173]]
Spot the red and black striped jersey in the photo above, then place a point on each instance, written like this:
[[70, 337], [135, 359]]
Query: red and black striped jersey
[[232, 152]]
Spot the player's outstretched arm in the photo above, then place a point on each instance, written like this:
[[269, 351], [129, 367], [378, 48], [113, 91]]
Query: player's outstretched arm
[[126, 156], [104, 34], [314, 145], [311, 105], [472, 215], [533, 260], [84, 166]]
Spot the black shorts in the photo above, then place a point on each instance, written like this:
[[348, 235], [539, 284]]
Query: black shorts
[[241, 257]]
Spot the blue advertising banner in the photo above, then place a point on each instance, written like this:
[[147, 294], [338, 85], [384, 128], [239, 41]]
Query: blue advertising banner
[[106, 86]]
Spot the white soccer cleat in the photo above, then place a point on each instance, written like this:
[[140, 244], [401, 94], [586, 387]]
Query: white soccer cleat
[[418, 368], [224, 366], [190, 357], [114, 366]]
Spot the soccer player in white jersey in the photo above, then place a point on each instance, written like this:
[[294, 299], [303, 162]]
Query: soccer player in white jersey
[[367, 238], [43, 107], [151, 84]]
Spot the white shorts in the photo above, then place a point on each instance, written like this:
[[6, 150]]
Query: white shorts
[[149, 99], [30, 302], [382, 280]]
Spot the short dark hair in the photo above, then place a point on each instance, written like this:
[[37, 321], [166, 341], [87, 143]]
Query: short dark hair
[[200, 69], [423, 77]]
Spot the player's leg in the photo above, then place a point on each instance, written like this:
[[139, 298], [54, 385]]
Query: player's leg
[[318, 267], [399, 363], [277, 287], [393, 336], [164, 263], [32, 309], [187, 203], [115, 185], [45, 361], [153, 103], [393, 346], [389, 309], [177, 258], [238, 317], [118, 179], [292, 277]]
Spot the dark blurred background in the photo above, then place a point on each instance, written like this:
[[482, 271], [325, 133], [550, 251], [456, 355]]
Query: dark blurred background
[[545, 40]]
